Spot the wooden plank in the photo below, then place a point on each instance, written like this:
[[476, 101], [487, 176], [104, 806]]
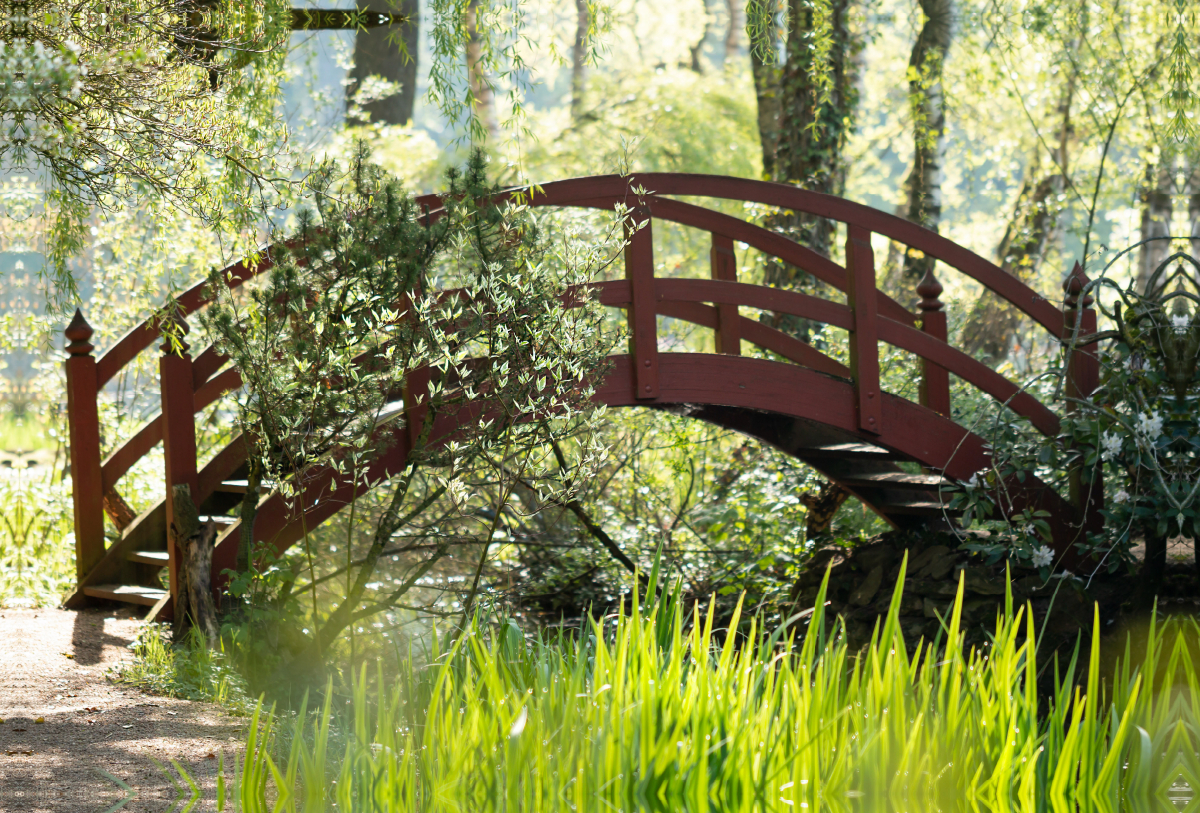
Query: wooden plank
[[760, 335], [935, 379], [760, 297], [643, 313], [847, 451], [864, 341], [179, 437], [894, 479], [128, 593], [723, 267], [972, 371], [83, 416], [150, 557]]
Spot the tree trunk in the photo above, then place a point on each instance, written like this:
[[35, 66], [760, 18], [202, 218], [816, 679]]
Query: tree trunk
[[374, 55], [481, 87], [766, 90], [696, 50], [1156, 222], [822, 507], [990, 324], [579, 57], [194, 541], [812, 132], [927, 103], [733, 34]]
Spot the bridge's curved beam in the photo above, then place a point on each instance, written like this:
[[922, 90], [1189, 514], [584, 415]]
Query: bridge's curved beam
[[738, 382], [684, 378]]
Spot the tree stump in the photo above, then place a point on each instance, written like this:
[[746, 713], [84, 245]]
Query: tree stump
[[194, 542]]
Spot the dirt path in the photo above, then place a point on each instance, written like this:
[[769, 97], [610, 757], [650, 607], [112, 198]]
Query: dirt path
[[52, 668]]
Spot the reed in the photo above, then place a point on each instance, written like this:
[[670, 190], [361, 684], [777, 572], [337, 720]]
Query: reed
[[645, 712]]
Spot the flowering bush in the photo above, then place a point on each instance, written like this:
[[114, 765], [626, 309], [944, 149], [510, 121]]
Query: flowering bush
[[1138, 431]]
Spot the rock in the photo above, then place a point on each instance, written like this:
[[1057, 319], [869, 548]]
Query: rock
[[980, 580], [917, 561], [873, 556], [867, 589], [933, 608], [940, 563]]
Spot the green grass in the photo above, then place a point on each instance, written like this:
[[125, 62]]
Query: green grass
[[647, 712], [37, 540]]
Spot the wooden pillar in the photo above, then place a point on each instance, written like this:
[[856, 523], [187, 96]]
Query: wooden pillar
[[864, 339], [1083, 377], [83, 420], [724, 267], [935, 380], [643, 310], [179, 427]]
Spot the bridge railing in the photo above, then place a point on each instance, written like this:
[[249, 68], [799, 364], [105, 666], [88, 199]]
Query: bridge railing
[[869, 316]]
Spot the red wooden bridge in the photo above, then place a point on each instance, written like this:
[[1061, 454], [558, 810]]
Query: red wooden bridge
[[835, 418]]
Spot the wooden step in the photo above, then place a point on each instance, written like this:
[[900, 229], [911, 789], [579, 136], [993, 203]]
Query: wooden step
[[128, 593], [895, 479], [920, 506], [847, 451], [223, 522], [149, 557]]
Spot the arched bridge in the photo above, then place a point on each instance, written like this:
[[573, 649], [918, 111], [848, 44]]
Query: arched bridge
[[833, 417]]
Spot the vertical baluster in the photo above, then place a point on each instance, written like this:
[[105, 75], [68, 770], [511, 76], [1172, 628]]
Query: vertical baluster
[[724, 267], [864, 346], [643, 310], [84, 425], [179, 428], [1083, 376], [935, 380]]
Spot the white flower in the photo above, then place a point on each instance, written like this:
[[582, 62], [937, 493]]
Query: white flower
[[1121, 496], [1043, 556], [1111, 442], [1150, 425], [1029, 530], [972, 481], [1179, 323]]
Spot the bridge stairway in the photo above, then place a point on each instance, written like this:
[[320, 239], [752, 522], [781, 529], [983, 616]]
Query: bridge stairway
[[132, 570]]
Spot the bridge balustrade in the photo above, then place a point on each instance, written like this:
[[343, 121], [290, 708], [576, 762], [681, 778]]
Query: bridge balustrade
[[868, 315]]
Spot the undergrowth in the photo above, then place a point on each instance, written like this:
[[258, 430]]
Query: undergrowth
[[190, 670]]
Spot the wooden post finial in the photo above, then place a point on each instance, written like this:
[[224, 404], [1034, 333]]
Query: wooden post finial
[[929, 289], [79, 333], [1073, 286]]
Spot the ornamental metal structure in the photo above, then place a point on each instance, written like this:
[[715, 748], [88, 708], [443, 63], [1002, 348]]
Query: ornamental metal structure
[[833, 417]]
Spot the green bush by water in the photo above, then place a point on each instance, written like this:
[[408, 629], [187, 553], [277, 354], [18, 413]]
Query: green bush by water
[[644, 712]]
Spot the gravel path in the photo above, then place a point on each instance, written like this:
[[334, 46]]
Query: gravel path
[[64, 725]]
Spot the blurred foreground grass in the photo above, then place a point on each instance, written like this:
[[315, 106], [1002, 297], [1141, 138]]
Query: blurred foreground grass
[[656, 710]]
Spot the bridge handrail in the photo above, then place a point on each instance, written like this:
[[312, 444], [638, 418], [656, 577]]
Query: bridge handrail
[[786, 196]]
